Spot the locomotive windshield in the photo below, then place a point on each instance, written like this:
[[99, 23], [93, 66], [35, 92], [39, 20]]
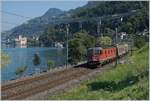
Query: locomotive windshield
[[94, 51], [97, 51]]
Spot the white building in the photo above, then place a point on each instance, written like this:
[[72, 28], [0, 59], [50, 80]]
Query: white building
[[21, 42], [58, 45], [123, 35], [35, 38]]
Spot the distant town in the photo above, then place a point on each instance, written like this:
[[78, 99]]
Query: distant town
[[23, 42]]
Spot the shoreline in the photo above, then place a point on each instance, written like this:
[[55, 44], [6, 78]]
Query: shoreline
[[39, 74]]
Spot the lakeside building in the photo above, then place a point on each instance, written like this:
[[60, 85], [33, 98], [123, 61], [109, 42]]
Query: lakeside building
[[58, 45], [21, 42], [123, 35]]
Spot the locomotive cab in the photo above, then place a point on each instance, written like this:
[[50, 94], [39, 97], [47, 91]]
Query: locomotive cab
[[93, 55]]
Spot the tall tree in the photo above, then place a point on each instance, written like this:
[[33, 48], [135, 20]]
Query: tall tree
[[36, 60]]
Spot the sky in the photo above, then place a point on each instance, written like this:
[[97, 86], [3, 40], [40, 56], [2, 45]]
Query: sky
[[31, 9]]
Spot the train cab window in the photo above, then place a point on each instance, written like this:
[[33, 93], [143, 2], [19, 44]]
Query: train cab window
[[97, 51]]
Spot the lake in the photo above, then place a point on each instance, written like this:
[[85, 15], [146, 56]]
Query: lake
[[21, 57]]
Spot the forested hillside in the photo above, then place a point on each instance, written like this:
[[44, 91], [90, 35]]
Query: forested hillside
[[51, 27], [131, 24]]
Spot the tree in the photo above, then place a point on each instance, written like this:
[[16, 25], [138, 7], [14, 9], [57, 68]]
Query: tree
[[108, 32], [87, 40], [47, 37], [104, 41], [128, 27], [77, 50], [50, 64], [36, 60], [78, 46], [51, 35]]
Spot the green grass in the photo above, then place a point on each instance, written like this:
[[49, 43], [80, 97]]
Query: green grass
[[5, 59], [126, 81]]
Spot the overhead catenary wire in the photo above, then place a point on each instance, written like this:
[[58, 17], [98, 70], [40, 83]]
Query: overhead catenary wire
[[72, 19], [15, 14], [6, 22]]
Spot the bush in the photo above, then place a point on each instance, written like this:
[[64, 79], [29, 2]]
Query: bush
[[104, 41], [20, 70], [50, 64], [77, 50], [139, 42], [5, 59], [78, 46]]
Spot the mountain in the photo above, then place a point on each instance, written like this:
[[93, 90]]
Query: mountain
[[36, 25], [52, 12]]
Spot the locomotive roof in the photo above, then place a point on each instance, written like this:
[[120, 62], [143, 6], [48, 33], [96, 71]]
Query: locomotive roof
[[96, 48], [102, 47]]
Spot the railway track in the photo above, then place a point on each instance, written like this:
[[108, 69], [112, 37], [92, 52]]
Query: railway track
[[23, 89], [31, 79]]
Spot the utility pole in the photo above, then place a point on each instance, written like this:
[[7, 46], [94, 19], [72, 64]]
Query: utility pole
[[116, 62], [98, 27], [132, 44], [67, 32], [80, 26], [116, 29]]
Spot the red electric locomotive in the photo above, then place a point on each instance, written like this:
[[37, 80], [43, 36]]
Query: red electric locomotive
[[100, 55]]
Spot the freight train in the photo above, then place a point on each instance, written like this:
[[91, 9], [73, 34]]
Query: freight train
[[99, 56]]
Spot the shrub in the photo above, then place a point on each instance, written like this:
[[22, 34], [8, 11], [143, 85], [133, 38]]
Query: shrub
[[20, 70], [104, 41], [139, 42], [50, 64], [5, 59]]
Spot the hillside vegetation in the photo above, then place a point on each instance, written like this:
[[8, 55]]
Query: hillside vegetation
[[131, 24], [46, 24], [126, 81]]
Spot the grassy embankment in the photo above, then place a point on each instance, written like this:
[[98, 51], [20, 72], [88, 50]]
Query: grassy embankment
[[127, 81]]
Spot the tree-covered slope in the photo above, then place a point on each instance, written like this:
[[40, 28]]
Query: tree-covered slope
[[37, 25]]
